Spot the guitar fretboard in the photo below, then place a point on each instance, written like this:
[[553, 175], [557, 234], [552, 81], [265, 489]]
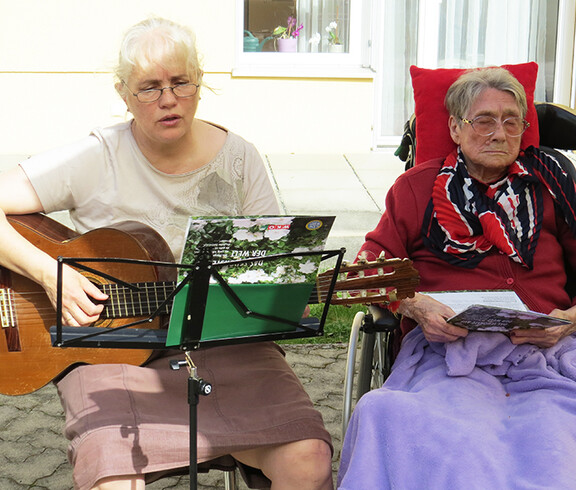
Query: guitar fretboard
[[124, 302]]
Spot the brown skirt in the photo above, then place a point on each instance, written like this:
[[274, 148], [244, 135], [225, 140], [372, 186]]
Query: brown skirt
[[127, 420]]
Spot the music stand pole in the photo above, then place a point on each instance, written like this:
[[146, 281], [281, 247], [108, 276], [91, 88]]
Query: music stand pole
[[196, 387]]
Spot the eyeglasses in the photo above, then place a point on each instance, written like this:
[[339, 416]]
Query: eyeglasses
[[487, 125], [181, 90]]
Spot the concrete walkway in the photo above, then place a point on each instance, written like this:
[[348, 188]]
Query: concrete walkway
[[352, 187]]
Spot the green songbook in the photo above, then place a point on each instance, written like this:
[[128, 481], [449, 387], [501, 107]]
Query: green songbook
[[278, 287]]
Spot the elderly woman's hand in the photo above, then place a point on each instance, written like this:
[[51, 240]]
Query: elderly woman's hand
[[547, 337], [431, 315]]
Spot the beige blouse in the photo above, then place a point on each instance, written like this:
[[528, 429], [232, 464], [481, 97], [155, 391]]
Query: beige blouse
[[105, 179]]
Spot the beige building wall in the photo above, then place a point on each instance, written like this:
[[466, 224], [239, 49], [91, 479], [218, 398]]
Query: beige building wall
[[56, 59]]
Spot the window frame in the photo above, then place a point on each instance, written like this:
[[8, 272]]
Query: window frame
[[354, 64], [565, 73]]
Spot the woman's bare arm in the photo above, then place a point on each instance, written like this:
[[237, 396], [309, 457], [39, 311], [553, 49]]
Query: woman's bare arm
[[17, 196]]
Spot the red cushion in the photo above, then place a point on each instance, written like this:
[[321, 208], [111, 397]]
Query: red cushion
[[433, 138]]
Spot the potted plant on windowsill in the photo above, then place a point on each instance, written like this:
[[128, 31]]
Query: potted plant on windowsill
[[334, 44], [287, 36]]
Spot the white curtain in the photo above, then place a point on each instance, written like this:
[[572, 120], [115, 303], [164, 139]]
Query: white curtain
[[495, 32], [460, 34], [398, 50], [316, 15]]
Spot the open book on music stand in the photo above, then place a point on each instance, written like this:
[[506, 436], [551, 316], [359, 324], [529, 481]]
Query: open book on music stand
[[215, 288], [263, 272]]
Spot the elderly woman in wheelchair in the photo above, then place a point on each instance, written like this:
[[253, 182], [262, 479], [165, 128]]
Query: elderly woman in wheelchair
[[465, 409]]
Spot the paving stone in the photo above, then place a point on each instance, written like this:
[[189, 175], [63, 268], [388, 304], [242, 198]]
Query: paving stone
[[33, 449]]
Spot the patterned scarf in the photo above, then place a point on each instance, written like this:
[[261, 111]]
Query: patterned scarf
[[463, 220]]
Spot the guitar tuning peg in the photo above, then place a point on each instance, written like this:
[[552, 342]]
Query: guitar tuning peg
[[382, 256]]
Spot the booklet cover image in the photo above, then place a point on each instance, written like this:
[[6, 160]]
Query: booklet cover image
[[247, 237], [495, 319]]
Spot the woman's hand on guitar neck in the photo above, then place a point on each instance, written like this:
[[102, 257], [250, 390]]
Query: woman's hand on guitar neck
[[78, 296]]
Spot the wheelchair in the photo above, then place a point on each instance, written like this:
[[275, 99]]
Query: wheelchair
[[375, 334]]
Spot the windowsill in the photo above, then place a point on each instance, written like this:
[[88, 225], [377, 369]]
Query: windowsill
[[300, 71]]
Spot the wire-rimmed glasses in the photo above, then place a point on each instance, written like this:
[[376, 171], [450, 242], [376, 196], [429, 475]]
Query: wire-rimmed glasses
[[488, 125], [180, 90]]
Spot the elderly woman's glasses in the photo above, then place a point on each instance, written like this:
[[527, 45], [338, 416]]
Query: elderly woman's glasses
[[181, 90], [487, 125]]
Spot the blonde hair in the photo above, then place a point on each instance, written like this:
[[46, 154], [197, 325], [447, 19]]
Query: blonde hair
[[157, 42]]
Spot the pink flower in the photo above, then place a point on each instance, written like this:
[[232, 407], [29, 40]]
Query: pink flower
[[290, 30]]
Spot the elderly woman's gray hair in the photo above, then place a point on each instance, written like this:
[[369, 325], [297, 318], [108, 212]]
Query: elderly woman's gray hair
[[463, 92], [158, 42]]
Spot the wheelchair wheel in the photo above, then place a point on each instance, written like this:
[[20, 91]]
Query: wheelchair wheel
[[376, 339], [374, 364]]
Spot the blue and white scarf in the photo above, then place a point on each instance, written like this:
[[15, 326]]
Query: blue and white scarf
[[463, 220]]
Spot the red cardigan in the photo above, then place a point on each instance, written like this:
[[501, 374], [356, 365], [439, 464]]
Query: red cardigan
[[398, 234]]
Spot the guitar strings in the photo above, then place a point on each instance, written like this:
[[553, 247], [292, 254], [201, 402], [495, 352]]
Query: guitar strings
[[139, 303], [141, 298], [25, 304]]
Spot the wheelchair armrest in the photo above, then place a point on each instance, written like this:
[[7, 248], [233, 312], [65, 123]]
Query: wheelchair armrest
[[380, 320], [556, 125]]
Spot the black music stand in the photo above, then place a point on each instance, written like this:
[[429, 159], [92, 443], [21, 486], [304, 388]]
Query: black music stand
[[192, 320]]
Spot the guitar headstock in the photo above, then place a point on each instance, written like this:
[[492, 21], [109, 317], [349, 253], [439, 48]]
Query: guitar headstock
[[369, 282]]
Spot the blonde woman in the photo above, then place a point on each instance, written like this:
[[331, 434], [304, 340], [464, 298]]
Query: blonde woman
[[128, 424]]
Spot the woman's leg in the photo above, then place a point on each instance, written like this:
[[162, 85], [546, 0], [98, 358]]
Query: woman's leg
[[305, 465], [128, 482]]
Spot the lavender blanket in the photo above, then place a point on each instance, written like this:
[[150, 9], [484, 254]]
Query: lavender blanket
[[478, 413]]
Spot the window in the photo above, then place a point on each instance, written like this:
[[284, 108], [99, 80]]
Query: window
[[331, 39], [317, 27]]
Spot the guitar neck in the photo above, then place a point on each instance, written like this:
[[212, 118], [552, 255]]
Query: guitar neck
[[141, 299], [388, 280], [378, 282]]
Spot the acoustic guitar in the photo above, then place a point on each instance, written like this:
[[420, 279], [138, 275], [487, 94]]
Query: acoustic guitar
[[28, 361]]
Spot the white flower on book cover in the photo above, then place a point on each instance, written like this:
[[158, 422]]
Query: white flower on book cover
[[308, 267], [240, 238]]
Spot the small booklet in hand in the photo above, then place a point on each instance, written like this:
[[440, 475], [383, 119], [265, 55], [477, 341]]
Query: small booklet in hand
[[497, 319]]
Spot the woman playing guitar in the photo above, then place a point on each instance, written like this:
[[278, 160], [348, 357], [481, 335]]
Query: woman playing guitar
[[127, 423]]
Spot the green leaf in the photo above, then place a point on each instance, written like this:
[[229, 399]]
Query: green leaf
[[279, 31]]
